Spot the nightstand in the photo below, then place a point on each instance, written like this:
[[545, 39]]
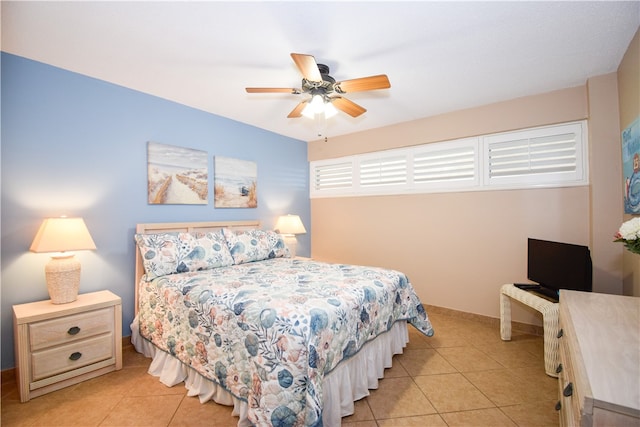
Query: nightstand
[[58, 345]]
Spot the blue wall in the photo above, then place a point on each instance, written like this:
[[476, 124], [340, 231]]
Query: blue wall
[[76, 146]]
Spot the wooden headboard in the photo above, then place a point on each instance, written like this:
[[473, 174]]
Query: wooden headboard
[[188, 227]]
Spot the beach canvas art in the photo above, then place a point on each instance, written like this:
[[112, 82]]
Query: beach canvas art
[[176, 175], [631, 167], [235, 183]]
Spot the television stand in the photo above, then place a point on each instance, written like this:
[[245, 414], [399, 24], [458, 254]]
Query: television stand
[[549, 310]]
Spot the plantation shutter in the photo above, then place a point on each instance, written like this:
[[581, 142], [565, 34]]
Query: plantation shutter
[[332, 176], [547, 156], [456, 163], [391, 170], [540, 156]]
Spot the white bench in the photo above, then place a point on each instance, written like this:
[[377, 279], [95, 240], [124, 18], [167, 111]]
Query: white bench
[[550, 322]]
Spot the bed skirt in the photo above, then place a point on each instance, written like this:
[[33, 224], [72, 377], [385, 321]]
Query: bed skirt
[[350, 381]]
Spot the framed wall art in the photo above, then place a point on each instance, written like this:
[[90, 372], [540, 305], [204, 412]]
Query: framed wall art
[[235, 183], [176, 175], [631, 167]]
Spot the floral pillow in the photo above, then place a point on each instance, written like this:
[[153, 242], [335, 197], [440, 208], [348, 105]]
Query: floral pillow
[[255, 245], [278, 249], [207, 250], [169, 253], [159, 253]]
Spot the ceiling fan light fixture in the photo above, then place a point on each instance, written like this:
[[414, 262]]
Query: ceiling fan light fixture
[[329, 110], [319, 106]]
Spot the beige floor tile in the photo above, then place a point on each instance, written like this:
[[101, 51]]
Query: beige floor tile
[[479, 418], [361, 412], [449, 337], [533, 414], [131, 358], [424, 362], [396, 370], [468, 359], [148, 385], [87, 411], [420, 421], [398, 397], [452, 392], [148, 411], [502, 386], [484, 337], [117, 383], [543, 387], [513, 356], [423, 388], [17, 414], [192, 413], [417, 339], [8, 389], [370, 423]]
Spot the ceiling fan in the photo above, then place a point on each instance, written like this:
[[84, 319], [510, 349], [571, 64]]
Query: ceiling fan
[[324, 89]]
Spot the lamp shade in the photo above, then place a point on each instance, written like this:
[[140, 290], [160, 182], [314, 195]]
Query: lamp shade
[[62, 235], [290, 224]]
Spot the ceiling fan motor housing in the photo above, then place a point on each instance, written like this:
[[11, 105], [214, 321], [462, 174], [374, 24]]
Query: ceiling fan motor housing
[[324, 87]]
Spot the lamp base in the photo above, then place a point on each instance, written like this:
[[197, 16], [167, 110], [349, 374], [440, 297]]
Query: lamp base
[[292, 243], [63, 278]]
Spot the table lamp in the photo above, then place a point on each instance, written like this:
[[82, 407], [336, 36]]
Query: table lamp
[[62, 272], [288, 226]]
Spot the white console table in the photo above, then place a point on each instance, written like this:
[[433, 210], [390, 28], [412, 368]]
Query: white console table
[[550, 322]]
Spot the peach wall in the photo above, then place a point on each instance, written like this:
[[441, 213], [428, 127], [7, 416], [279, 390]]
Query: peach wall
[[605, 165], [629, 105], [458, 248]]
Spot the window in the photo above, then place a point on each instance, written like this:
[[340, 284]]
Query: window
[[542, 156], [332, 176], [446, 165], [383, 171], [545, 156]]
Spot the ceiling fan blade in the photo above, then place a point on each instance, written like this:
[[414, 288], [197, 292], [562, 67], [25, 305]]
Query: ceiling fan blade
[[308, 66], [272, 90], [364, 83], [349, 107], [297, 112]]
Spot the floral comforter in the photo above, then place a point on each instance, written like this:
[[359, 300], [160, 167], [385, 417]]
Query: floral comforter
[[269, 331]]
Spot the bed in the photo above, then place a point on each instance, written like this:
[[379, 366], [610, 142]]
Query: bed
[[224, 308]]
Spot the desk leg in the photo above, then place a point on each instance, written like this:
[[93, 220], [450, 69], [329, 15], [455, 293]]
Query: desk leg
[[505, 317], [551, 343]]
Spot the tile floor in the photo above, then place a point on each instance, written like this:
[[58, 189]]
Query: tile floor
[[463, 376]]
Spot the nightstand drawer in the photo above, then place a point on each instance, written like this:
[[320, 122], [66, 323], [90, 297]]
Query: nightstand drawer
[[53, 332], [47, 363]]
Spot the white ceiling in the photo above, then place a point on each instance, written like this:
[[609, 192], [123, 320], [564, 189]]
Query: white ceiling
[[439, 56]]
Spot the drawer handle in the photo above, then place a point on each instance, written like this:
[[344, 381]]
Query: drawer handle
[[560, 333], [73, 330], [558, 405], [559, 368], [568, 390], [75, 356]]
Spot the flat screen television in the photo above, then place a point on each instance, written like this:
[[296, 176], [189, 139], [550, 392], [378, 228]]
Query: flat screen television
[[555, 265]]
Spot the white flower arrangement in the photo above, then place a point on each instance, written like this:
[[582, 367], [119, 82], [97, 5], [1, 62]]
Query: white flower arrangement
[[629, 234]]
